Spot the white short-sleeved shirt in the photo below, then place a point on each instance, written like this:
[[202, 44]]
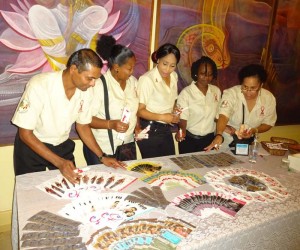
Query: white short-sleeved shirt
[[155, 93], [202, 109], [118, 100], [264, 110], [45, 108]]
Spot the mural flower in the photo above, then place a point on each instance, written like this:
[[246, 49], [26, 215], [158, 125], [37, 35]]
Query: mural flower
[[44, 38]]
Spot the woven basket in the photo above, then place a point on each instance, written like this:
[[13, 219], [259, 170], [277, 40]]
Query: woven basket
[[267, 145], [294, 148], [286, 141]]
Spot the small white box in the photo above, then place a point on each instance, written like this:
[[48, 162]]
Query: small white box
[[294, 161]]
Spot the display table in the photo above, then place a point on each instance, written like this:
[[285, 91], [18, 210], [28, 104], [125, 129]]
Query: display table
[[258, 225]]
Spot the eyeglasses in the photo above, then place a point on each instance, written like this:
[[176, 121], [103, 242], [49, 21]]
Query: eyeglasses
[[249, 89]]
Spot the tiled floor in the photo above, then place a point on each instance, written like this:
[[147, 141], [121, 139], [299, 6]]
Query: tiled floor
[[5, 240]]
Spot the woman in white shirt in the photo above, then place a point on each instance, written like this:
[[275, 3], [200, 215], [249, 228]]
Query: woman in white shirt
[[157, 92], [248, 104], [121, 87], [200, 101]]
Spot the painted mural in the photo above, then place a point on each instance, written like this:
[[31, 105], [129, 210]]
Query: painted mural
[[235, 33], [39, 35]]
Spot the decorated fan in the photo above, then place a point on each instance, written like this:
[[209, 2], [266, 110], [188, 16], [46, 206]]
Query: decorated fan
[[101, 210], [203, 203], [142, 234], [60, 188], [247, 184], [153, 197], [168, 179], [144, 167]]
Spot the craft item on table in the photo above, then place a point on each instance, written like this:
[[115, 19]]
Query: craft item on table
[[186, 162], [142, 234], [274, 148], [145, 167], [217, 160], [204, 203], [247, 184], [103, 210], [96, 181], [168, 179], [153, 197], [208, 160], [48, 230]]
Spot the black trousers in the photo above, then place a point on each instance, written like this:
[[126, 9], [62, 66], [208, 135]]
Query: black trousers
[[27, 161], [160, 141], [194, 144]]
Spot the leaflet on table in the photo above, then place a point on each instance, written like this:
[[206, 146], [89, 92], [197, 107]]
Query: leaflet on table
[[105, 209]]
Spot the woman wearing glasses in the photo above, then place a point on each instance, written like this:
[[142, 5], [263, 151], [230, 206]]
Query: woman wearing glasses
[[245, 109]]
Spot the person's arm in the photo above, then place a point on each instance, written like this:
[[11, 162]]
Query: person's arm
[[66, 167], [116, 125], [218, 140], [181, 133], [260, 129], [146, 114], [87, 137]]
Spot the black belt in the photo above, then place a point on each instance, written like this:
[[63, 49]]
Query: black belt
[[154, 124], [159, 124], [189, 134]]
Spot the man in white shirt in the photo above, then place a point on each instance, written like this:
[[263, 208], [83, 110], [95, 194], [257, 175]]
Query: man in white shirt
[[50, 104]]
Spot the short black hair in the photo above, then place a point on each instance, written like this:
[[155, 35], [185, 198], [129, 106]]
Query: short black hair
[[165, 50], [203, 60], [253, 70], [83, 58], [112, 52]]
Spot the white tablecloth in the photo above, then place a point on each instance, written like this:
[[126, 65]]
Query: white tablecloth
[[257, 225]]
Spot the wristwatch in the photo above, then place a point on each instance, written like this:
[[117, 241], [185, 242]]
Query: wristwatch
[[102, 156]]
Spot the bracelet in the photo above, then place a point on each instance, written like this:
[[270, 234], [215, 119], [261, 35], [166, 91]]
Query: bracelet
[[221, 136], [108, 124], [101, 157]]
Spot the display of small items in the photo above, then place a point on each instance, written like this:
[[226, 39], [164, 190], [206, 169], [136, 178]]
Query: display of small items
[[248, 183]]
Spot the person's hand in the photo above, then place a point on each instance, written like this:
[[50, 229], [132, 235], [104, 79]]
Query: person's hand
[[180, 135], [67, 168], [119, 126], [215, 144], [113, 162], [230, 130], [246, 134], [141, 134], [171, 118]]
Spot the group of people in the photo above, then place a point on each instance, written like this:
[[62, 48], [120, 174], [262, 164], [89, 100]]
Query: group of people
[[79, 94]]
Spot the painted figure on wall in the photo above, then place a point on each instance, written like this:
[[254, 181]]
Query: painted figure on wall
[[39, 35], [235, 33], [47, 36], [208, 38]]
